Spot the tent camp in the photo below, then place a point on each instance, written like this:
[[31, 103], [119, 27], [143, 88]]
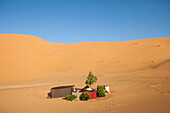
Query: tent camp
[[61, 91]]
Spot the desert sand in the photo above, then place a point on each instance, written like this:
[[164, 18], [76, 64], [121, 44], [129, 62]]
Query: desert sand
[[138, 73]]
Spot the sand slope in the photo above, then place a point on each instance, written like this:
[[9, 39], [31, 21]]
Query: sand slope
[[136, 71], [26, 57]]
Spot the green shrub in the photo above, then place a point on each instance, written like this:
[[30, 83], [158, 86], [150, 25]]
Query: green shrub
[[101, 88], [85, 97], [101, 94], [71, 97], [101, 91]]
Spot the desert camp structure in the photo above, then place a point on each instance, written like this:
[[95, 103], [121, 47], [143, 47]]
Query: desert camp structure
[[61, 91]]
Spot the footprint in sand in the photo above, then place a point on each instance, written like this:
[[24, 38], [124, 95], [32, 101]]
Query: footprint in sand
[[135, 43], [158, 45]]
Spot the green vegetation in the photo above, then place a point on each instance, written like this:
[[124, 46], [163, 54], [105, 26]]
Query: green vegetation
[[101, 91], [101, 94], [71, 97], [100, 88], [91, 79], [85, 97]]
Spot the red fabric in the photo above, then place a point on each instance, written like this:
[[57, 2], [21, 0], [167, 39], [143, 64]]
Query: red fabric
[[93, 94]]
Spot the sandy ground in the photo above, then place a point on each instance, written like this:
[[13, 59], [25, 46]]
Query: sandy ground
[[136, 71]]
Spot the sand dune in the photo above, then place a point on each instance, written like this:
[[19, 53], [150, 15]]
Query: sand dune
[[26, 57], [133, 69]]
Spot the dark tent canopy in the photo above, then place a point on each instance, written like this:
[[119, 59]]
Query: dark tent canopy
[[61, 91]]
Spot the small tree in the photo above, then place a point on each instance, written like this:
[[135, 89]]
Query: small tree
[[91, 79]]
